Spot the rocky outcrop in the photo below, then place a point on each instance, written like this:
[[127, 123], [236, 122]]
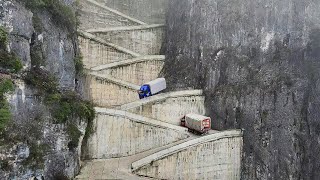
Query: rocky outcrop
[[37, 147], [258, 63]]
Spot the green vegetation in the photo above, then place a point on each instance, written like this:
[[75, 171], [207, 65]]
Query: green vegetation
[[61, 176], [5, 115], [264, 115], [61, 14], [78, 63], [6, 86], [63, 106], [8, 61], [74, 135], [36, 56], [3, 38], [5, 166], [42, 80], [34, 4], [36, 156], [37, 24]]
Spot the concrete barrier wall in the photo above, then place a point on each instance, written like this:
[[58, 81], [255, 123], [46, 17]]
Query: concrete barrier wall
[[145, 41], [149, 11], [136, 71], [94, 15], [108, 92], [96, 53], [169, 107], [216, 156], [118, 134]]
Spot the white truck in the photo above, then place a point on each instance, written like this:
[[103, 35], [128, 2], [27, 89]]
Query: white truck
[[153, 87], [196, 123]]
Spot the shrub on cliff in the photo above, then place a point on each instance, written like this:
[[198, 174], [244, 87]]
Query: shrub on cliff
[[3, 38], [78, 63], [6, 86], [63, 106], [8, 61], [61, 14]]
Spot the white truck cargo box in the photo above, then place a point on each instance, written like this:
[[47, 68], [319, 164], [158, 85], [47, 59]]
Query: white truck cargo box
[[157, 85]]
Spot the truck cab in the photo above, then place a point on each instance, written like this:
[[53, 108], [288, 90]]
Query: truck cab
[[183, 121], [144, 91]]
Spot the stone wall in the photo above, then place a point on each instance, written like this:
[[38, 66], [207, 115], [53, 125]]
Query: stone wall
[[108, 92], [97, 53], [119, 134], [137, 72], [216, 156], [170, 107], [95, 15], [148, 11], [146, 41]]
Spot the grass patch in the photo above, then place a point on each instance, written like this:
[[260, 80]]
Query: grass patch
[[8, 61], [6, 86], [5, 114], [3, 38]]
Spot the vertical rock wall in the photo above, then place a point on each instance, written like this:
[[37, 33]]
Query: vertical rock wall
[[258, 62], [31, 132]]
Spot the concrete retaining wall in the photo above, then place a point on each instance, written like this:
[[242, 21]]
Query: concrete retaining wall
[[145, 40], [118, 134], [149, 11], [108, 92], [169, 107], [216, 156], [95, 15], [96, 53], [136, 71]]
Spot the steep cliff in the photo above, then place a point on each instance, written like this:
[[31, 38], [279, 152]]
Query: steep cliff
[[43, 132], [258, 62]]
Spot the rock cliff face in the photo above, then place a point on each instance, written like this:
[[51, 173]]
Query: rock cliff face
[[258, 62], [36, 146]]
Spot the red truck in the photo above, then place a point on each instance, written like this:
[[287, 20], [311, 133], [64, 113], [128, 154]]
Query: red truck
[[196, 123]]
